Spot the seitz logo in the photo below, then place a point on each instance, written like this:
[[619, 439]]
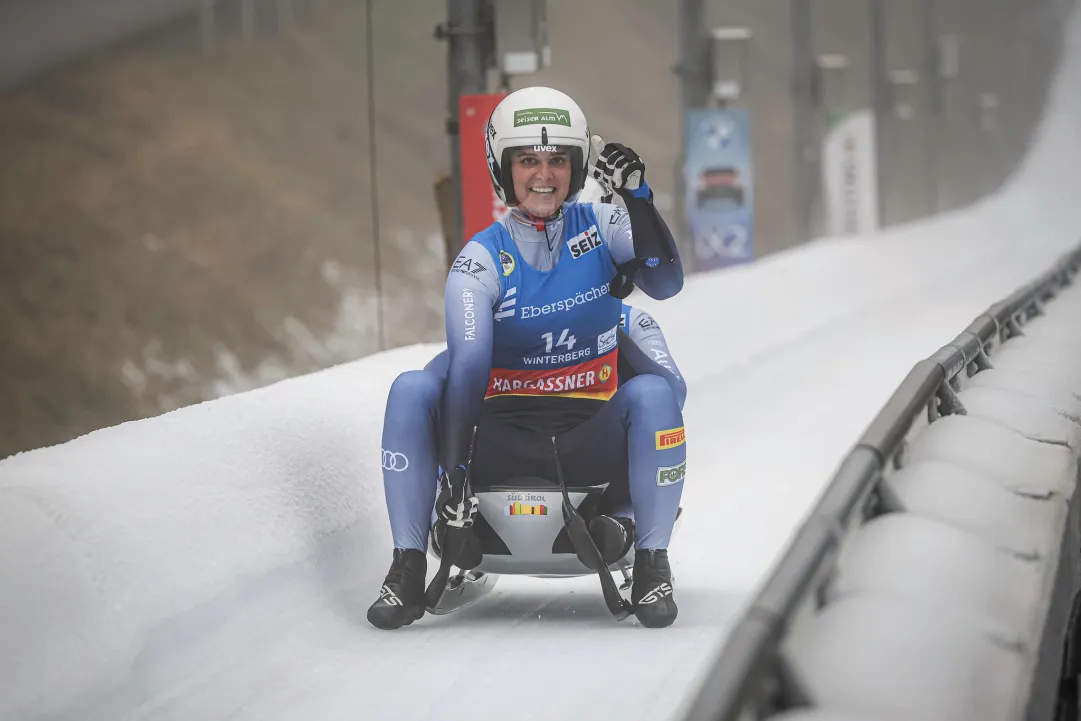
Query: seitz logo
[[671, 475], [671, 439], [584, 242]]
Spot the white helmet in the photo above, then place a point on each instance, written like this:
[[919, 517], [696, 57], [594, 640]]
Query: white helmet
[[536, 116]]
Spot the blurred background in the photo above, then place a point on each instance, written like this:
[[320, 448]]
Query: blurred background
[[201, 197]]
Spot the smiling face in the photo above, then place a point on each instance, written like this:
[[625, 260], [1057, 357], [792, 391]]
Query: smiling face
[[541, 180]]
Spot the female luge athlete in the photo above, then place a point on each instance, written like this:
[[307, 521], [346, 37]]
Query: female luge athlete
[[533, 306]]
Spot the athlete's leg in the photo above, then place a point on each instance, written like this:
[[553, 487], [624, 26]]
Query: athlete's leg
[[637, 435], [409, 448], [644, 414], [409, 471]]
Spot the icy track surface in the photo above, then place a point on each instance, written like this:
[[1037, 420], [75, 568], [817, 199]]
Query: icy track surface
[[216, 562]]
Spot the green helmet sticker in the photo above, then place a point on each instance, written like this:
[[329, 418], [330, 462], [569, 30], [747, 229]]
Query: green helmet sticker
[[542, 116]]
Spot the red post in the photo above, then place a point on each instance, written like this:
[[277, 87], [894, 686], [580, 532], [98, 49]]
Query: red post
[[480, 205]]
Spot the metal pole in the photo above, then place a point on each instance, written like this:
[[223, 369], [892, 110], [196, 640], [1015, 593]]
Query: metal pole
[[373, 178], [932, 118], [694, 84], [880, 98], [247, 19], [465, 76], [285, 15], [207, 28], [803, 69]]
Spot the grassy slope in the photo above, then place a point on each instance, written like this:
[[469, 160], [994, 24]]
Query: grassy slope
[[161, 197]]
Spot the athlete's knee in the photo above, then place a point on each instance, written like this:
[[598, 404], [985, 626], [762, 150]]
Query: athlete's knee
[[650, 391], [415, 390]]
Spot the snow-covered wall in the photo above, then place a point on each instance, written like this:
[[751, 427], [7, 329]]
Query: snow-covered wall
[[215, 562], [939, 610]]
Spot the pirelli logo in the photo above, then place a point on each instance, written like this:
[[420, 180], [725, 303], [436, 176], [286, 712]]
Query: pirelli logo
[[671, 439]]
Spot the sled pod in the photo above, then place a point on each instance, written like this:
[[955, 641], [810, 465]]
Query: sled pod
[[522, 532]]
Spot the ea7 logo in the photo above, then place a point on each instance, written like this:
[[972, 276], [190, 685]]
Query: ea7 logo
[[584, 242], [646, 322], [467, 266], [671, 475]]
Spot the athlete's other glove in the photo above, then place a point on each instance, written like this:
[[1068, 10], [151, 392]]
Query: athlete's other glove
[[456, 507], [453, 504], [618, 167]]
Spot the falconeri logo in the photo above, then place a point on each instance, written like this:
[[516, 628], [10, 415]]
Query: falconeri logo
[[542, 116]]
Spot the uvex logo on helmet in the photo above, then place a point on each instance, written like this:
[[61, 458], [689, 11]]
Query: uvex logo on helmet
[[530, 117]]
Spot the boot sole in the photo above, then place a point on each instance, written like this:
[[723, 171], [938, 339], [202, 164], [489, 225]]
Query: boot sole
[[654, 621], [389, 624]]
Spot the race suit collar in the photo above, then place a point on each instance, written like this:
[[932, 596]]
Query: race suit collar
[[526, 218]]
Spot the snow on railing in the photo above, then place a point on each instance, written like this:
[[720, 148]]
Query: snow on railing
[[935, 577]]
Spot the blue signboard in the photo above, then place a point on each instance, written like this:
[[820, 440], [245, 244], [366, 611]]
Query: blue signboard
[[719, 187]]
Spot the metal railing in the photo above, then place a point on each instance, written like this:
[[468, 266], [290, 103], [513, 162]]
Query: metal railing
[[751, 678]]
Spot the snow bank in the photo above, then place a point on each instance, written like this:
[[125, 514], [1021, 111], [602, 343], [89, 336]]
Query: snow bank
[[939, 609], [160, 531], [215, 562]]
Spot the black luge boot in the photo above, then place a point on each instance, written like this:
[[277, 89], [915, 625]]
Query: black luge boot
[[401, 599], [613, 535], [651, 593]]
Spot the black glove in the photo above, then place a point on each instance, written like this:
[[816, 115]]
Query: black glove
[[455, 504], [617, 167], [456, 507]]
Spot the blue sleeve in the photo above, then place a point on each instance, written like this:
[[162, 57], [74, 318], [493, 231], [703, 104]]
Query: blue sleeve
[[649, 353], [649, 237], [468, 302]]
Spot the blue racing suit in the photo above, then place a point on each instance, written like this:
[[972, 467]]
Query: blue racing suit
[[533, 353]]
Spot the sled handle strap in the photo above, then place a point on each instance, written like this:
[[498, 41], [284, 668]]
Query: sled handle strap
[[434, 592], [587, 549]]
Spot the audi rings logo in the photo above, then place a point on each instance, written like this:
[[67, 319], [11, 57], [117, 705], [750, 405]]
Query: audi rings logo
[[394, 461]]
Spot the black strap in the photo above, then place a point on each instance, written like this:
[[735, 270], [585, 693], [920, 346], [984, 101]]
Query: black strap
[[434, 593], [587, 549]]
